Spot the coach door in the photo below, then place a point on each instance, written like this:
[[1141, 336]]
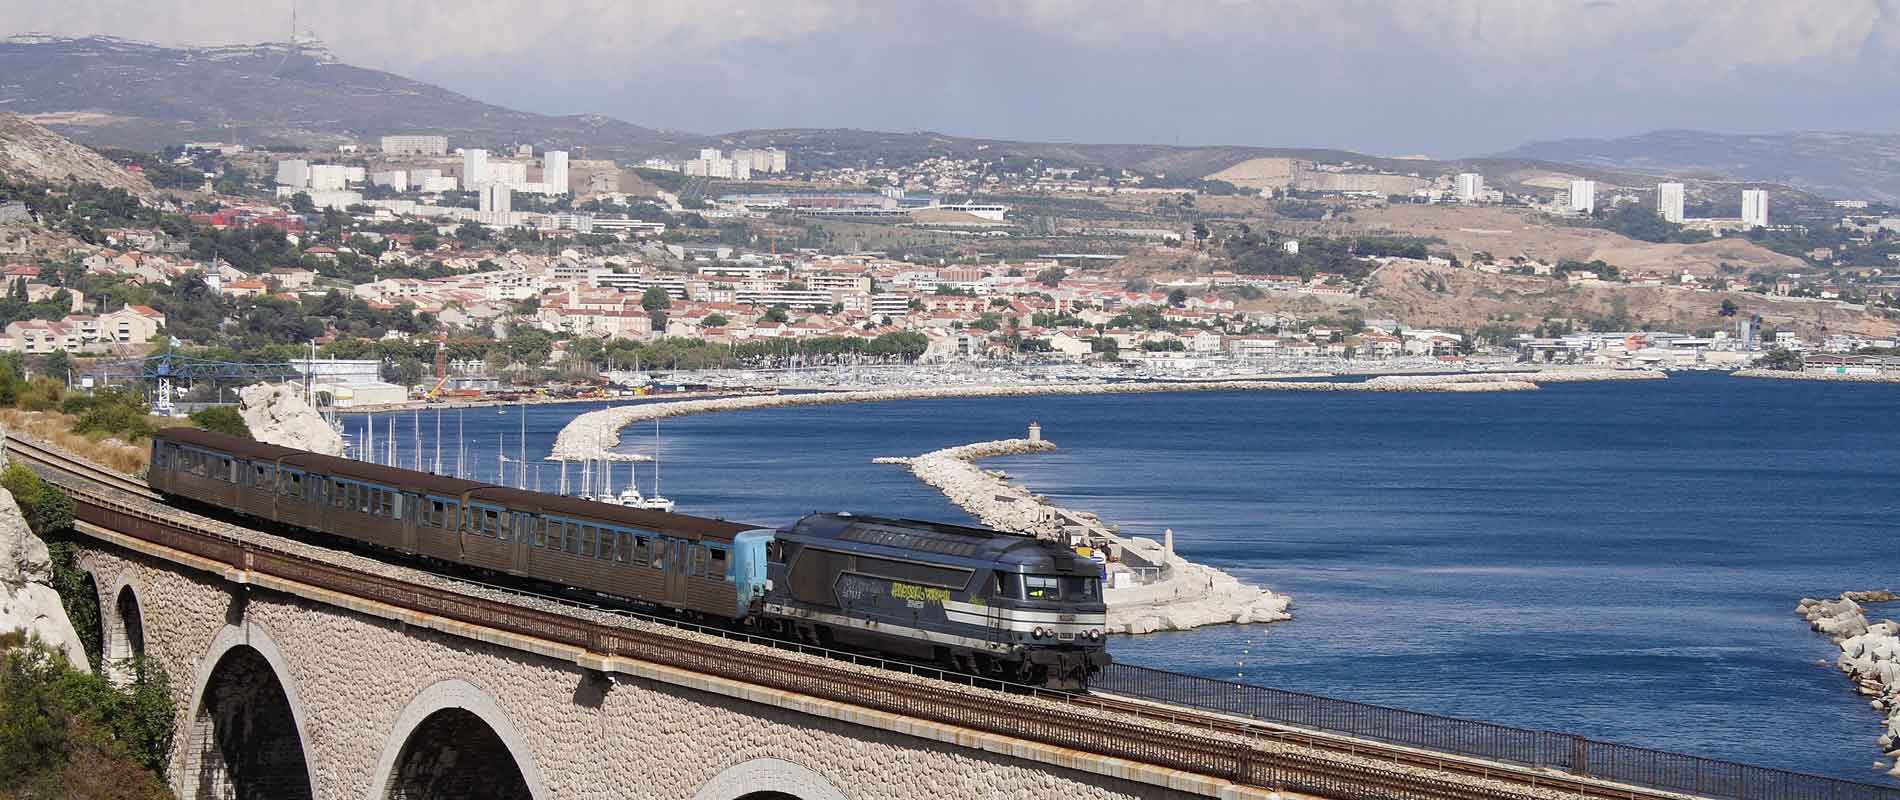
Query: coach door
[[675, 571]]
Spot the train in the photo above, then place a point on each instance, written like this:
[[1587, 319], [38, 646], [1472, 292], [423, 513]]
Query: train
[[989, 603]]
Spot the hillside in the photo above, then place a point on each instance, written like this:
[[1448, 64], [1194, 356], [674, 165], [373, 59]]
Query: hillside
[[1443, 297], [1847, 165], [106, 91], [1505, 232], [31, 152]]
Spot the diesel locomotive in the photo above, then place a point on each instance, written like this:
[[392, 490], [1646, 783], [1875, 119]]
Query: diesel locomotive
[[986, 602]]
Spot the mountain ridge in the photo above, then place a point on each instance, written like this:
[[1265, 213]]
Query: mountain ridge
[[1844, 164]]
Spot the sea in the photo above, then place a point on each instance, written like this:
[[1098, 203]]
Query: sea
[[1619, 560]]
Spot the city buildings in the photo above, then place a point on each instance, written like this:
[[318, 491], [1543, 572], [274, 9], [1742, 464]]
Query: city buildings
[[1469, 187], [413, 145], [1669, 201], [1583, 197], [497, 201], [1754, 208], [474, 168], [554, 170], [293, 172]]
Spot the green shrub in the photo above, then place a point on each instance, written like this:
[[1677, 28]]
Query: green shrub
[[71, 734], [222, 419]]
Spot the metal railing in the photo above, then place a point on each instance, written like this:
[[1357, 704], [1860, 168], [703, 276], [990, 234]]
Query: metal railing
[[1607, 761], [1534, 749]]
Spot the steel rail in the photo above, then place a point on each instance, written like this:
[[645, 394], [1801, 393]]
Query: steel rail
[[1248, 752]]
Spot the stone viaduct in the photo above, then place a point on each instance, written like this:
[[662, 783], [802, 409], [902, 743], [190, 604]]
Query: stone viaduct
[[287, 693]]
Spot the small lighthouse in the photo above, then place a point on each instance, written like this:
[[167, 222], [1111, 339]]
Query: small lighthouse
[[1035, 431]]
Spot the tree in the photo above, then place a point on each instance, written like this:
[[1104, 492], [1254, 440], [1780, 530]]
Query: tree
[[777, 314], [1728, 307], [302, 204], [655, 299], [1201, 232], [1177, 297], [1051, 277], [222, 419], [1781, 358], [714, 320]]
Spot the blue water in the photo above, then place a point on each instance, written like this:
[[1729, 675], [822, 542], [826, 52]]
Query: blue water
[[1619, 560]]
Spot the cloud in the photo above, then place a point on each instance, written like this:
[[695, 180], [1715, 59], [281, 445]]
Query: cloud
[[1458, 75]]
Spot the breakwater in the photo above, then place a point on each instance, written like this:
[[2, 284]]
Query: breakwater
[[1870, 655], [1793, 375], [589, 434], [1538, 377], [1149, 588]]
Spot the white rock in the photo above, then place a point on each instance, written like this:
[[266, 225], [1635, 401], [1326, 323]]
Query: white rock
[[277, 414], [27, 599]]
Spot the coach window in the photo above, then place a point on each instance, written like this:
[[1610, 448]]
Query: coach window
[[696, 561], [609, 545], [637, 549], [717, 565], [491, 522], [507, 527], [582, 543]]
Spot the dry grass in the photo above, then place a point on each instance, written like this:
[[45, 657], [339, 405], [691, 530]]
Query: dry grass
[[56, 429]]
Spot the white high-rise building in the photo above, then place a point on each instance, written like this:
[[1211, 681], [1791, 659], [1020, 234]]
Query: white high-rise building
[[293, 172], [497, 200], [1470, 187], [1583, 197], [396, 179], [554, 170], [474, 167], [1754, 208], [333, 177], [1669, 201], [415, 145], [709, 154], [508, 172]]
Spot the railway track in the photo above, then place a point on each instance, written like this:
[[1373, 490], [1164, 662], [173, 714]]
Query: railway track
[[1246, 751]]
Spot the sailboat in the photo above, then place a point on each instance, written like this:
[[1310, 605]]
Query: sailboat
[[655, 501], [630, 496]]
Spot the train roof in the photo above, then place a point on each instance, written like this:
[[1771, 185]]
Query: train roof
[[958, 541], [446, 486]]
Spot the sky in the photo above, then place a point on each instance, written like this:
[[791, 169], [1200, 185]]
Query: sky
[[1444, 78]]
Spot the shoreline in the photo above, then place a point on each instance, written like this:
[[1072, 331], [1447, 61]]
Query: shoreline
[[1792, 375], [1178, 594], [591, 433], [1870, 656]]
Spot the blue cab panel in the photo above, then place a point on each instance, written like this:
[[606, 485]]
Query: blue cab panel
[[748, 567]]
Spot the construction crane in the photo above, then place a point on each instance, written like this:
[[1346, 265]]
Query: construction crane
[[441, 368], [165, 370]]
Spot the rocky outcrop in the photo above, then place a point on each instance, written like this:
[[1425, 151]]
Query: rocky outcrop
[[1180, 594], [1870, 655], [277, 414], [32, 152], [595, 432], [27, 599], [1798, 375]]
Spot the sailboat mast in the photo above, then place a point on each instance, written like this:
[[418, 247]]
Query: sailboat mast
[[438, 442]]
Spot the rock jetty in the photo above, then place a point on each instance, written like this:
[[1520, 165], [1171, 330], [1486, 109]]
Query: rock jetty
[[592, 433], [1156, 591], [1538, 377], [1870, 655], [27, 599], [277, 414], [1795, 375]]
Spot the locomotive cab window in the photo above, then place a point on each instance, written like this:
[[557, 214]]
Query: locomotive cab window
[[1075, 588], [1041, 587]]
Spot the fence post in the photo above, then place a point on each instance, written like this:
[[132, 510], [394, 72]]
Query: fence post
[[1579, 755]]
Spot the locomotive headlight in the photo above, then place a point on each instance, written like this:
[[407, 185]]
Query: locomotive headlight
[[1094, 634], [1038, 633]]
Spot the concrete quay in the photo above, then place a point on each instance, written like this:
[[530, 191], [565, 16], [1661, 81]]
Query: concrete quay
[[589, 434], [1149, 588]]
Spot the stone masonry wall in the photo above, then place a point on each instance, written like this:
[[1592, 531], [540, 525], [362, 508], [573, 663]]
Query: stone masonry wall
[[353, 676]]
